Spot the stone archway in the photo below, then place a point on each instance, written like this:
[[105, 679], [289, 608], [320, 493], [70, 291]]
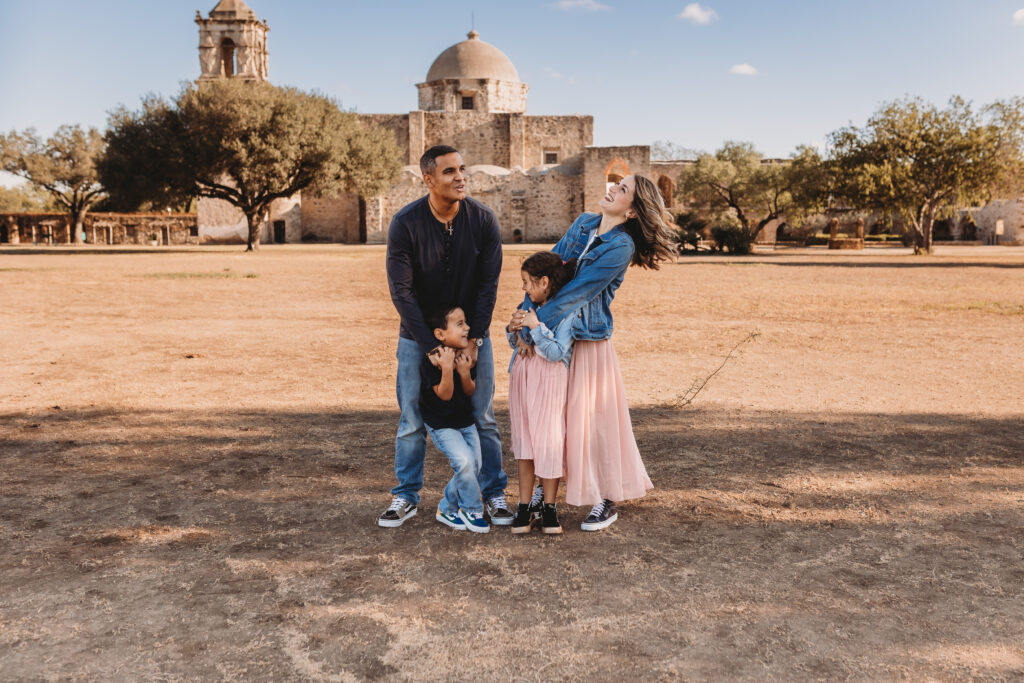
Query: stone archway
[[227, 57], [616, 170], [667, 189]]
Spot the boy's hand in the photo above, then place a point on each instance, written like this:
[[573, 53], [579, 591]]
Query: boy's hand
[[446, 360], [435, 357], [463, 362], [530, 320]]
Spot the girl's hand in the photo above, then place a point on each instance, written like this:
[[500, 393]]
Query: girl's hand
[[446, 360], [516, 323], [525, 350], [530, 320]]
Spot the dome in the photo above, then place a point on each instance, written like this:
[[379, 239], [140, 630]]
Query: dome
[[473, 58]]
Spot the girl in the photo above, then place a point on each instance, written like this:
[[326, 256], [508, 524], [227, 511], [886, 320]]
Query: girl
[[603, 464], [537, 392]]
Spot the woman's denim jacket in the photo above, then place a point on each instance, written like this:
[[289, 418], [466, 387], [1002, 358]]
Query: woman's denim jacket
[[598, 274]]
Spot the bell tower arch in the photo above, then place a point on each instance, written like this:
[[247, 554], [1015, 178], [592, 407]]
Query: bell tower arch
[[232, 43]]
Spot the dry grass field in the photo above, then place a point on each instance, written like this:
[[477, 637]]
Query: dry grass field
[[195, 444]]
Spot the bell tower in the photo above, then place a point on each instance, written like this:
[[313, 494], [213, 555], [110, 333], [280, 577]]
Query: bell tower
[[232, 43]]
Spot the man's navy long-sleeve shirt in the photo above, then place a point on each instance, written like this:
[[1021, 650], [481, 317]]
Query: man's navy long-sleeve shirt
[[424, 272]]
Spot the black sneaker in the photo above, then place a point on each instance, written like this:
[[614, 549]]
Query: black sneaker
[[523, 522], [399, 511], [603, 514], [549, 520], [497, 510], [537, 503]]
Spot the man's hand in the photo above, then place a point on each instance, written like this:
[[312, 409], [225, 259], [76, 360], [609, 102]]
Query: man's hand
[[525, 350]]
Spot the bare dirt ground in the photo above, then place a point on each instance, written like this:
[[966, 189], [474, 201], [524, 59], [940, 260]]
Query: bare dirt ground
[[195, 444]]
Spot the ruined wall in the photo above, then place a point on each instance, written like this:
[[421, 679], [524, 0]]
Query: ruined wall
[[566, 135], [1009, 211], [397, 125], [221, 222], [481, 138], [100, 228], [666, 175], [330, 219]]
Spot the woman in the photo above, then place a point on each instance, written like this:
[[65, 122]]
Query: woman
[[603, 464]]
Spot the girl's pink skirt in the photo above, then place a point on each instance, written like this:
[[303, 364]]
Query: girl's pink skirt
[[536, 406], [601, 457]]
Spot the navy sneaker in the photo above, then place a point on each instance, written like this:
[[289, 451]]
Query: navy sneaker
[[603, 515], [497, 510], [454, 521], [474, 521], [399, 511]]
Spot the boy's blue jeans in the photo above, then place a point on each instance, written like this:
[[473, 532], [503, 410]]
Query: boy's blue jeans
[[462, 447], [411, 442]]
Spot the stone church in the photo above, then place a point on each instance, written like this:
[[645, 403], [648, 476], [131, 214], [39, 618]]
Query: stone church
[[536, 172]]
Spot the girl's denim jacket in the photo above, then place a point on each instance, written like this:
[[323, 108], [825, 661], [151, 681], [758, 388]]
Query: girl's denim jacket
[[588, 296], [550, 345]]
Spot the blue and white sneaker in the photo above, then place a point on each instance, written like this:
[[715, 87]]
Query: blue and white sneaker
[[454, 521], [474, 521]]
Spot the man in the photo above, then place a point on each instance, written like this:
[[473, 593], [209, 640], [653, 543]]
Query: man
[[444, 248]]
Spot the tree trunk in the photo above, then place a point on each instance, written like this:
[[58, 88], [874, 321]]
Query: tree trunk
[[926, 230], [254, 231], [76, 226]]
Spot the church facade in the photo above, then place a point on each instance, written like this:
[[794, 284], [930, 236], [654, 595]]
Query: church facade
[[536, 172]]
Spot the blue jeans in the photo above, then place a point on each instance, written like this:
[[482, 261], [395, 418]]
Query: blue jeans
[[411, 442], [462, 447]]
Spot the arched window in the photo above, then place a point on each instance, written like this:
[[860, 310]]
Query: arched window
[[615, 171], [227, 57], [667, 189]]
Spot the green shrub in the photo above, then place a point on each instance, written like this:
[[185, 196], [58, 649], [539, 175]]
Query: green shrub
[[731, 239], [690, 231]]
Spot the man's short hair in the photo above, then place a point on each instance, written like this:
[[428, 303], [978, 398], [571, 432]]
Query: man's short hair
[[428, 162], [437, 318]]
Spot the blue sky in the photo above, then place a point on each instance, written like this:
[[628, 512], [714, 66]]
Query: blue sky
[[646, 70]]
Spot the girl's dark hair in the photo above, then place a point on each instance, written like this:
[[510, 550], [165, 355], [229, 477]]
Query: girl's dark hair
[[550, 265], [650, 227]]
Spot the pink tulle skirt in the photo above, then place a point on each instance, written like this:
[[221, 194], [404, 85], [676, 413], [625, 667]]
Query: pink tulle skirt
[[601, 456], [536, 406]]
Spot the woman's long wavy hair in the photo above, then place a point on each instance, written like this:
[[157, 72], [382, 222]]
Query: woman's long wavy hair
[[650, 228]]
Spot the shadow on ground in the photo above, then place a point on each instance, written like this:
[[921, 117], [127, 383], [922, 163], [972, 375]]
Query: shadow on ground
[[178, 544]]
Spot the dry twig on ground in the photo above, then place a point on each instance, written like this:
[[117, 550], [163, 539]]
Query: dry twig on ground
[[686, 398]]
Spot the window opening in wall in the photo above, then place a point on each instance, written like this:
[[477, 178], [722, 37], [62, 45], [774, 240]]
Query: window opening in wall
[[4, 236], [667, 189], [467, 102], [550, 157], [279, 232], [227, 57]]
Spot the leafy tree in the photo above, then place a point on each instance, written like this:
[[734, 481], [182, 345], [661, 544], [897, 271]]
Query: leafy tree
[[739, 188], [249, 144], [922, 162], [25, 198], [64, 166]]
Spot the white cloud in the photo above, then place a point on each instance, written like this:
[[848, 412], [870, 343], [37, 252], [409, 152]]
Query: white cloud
[[1018, 17], [589, 5], [558, 76], [698, 14], [743, 70]]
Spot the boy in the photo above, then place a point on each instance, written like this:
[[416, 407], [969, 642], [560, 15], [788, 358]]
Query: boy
[[447, 382]]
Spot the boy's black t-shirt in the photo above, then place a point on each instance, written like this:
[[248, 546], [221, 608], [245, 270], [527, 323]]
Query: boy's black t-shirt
[[455, 413]]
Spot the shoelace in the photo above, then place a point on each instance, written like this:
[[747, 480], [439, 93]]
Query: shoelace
[[396, 504], [499, 503], [538, 496], [598, 510]]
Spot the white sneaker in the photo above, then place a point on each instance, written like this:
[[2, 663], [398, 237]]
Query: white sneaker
[[399, 511]]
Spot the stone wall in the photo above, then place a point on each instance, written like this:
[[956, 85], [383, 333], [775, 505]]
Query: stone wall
[[489, 96], [330, 219], [480, 137], [100, 228], [565, 135], [987, 218], [399, 126], [221, 222], [666, 175]]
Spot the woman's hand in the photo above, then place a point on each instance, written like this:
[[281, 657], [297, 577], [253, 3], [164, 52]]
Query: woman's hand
[[525, 350], [530, 320]]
